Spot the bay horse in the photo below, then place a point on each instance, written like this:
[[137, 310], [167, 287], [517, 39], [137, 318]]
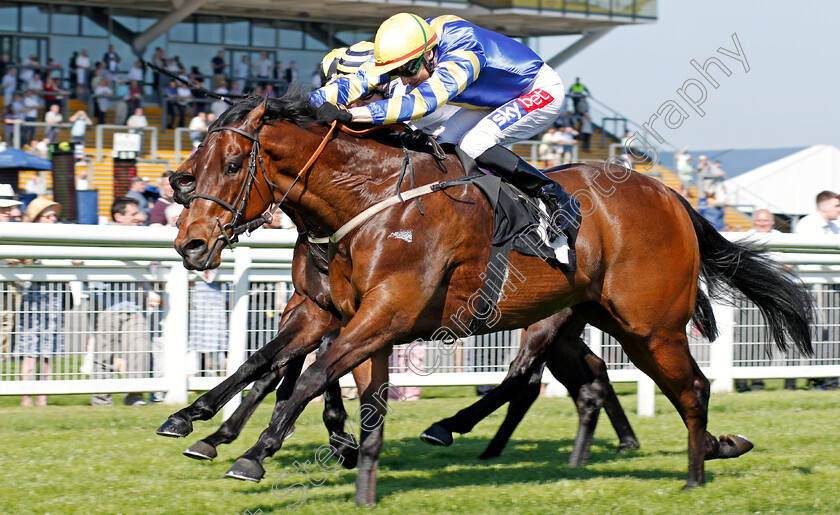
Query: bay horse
[[641, 250], [570, 361]]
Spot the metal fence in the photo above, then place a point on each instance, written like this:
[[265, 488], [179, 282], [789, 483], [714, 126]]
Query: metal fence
[[132, 319]]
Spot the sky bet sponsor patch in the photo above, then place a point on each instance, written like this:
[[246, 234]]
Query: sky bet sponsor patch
[[509, 113]]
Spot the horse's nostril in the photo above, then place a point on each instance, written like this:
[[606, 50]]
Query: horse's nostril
[[193, 247]]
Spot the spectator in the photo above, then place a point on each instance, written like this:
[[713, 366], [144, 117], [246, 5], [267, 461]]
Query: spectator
[[137, 73], [27, 70], [171, 94], [123, 343], [159, 60], [172, 213], [41, 318], [567, 138], [80, 121], [137, 121], [763, 221], [687, 175], [120, 103], [157, 216], [291, 73], [32, 104], [35, 84], [198, 127], [207, 344], [4, 65], [137, 193], [111, 59], [10, 297], [280, 76], [83, 68], [549, 148], [134, 99], [51, 87], [713, 208], [218, 65], [269, 92], [13, 114], [241, 72], [184, 98], [585, 131], [53, 117], [263, 67], [825, 221], [73, 74], [578, 91], [103, 103], [219, 106], [9, 85]]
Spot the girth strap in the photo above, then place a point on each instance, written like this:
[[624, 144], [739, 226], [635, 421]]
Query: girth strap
[[362, 217]]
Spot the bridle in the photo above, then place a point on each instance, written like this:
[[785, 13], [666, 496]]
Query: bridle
[[183, 184]]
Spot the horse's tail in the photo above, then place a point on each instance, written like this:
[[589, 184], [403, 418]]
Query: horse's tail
[[783, 300]]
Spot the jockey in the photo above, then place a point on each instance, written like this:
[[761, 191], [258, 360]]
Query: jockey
[[506, 91]]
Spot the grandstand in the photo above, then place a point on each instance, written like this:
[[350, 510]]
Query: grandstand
[[195, 30]]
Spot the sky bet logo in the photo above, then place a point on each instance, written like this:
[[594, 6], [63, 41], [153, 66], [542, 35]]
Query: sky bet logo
[[509, 113]]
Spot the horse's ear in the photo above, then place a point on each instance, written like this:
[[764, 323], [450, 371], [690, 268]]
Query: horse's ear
[[254, 118]]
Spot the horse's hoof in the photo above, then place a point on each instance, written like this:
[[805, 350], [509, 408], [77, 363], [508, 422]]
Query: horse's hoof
[[437, 435], [175, 427], [485, 456], [200, 450], [346, 447], [246, 470], [627, 445], [691, 485], [740, 442]]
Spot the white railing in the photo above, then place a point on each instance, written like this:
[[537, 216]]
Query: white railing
[[250, 288]]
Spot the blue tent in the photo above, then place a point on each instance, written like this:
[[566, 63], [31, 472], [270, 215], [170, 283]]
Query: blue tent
[[16, 158]]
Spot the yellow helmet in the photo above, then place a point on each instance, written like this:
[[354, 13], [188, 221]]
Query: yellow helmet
[[329, 63], [402, 38]]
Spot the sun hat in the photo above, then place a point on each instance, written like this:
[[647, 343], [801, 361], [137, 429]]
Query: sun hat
[[39, 205], [7, 194]]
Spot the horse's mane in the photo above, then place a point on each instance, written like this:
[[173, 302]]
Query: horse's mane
[[294, 106]]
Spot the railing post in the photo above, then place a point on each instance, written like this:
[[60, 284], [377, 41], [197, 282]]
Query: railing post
[[154, 142], [99, 132], [722, 351], [16, 135], [238, 329], [646, 393], [177, 139], [175, 308]]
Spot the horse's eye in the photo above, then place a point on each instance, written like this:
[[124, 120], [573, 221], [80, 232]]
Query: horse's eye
[[233, 168]]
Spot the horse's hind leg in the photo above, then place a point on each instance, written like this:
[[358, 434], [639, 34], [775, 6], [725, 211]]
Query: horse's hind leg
[[516, 411], [531, 355], [205, 449], [606, 397]]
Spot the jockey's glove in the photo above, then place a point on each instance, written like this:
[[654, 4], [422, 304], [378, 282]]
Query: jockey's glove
[[328, 113]]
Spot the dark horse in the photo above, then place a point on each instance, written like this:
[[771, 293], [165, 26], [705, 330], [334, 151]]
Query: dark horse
[[641, 250], [583, 374]]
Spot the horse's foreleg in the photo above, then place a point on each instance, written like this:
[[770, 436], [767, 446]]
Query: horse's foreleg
[[297, 336], [626, 437], [374, 404], [205, 449], [361, 338]]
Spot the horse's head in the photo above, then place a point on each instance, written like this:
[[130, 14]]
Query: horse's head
[[224, 186]]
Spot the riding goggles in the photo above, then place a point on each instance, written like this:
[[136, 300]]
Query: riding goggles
[[409, 69]]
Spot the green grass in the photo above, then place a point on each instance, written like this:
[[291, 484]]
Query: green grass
[[72, 458]]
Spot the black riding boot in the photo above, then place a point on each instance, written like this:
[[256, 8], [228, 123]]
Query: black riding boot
[[533, 182]]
